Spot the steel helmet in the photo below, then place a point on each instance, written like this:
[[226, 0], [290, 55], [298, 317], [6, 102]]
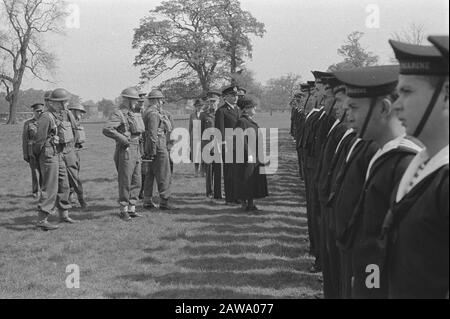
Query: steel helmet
[[155, 94], [131, 93], [59, 95], [47, 95], [77, 106]]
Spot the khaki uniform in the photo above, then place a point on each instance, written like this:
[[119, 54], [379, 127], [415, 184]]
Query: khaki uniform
[[157, 126], [55, 183], [71, 158], [28, 137], [127, 156]]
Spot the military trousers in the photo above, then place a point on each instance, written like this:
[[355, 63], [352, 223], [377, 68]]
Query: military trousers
[[158, 170], [128, 165], [330, 255], [55, 183], [309, 185], [72, 161], [217, 173], [209, 176], [36, 176]]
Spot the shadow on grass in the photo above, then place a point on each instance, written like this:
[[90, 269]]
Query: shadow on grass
[[243, 220], [276, 249], [205, 238], [190, 293], [100, 180], [222, 263], [276, 280]]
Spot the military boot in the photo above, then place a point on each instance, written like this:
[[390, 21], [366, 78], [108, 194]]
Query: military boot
[[164, 205], [64, 217], [82, 202], [43, 224]]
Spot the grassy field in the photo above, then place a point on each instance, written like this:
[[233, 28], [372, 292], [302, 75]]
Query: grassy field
[[201, 250]]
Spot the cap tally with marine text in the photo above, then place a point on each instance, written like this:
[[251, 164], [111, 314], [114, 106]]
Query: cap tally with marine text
[[418, 59], [369, 81]]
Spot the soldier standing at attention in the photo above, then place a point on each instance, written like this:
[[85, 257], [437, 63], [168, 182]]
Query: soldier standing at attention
[[54, 133], [383, 173], [76, 187], [207, 121], [28, 136], [195, 149], [46, 101], [418, 250], [157, 125], [226, 117], [126, 130]]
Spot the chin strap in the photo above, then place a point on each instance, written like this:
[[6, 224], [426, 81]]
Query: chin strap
[[373, 101], [430, 107]]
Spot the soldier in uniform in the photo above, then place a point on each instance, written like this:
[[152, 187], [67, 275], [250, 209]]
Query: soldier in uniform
[[126, 130], [195, 149], [383, 172], [226, 117], [74, 165], [207, 121], [46, 100], [140, 107], [157, 125], [302, 102], [330, 260], [418, 222], [310, 163], [53, 136], [28, 136]]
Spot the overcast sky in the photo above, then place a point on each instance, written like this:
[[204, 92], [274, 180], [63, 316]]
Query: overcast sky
[[95, 60]]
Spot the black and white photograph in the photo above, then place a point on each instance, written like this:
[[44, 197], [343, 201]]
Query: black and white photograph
[[225, 155]]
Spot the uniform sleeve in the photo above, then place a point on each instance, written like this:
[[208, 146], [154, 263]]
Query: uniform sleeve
[[111, 129], [43, 127], [153, 124], [25, 141], [220, 123]]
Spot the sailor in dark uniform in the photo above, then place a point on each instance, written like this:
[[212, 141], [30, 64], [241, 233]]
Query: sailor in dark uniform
[[226, 117], [349, 177], [308, 161], [418, 223], [334, 135], [383, 173]]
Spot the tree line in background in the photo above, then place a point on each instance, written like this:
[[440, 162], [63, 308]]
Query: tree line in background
[[203, 43]]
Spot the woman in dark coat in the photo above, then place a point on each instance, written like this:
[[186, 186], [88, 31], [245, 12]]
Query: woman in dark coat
[[249, 184]]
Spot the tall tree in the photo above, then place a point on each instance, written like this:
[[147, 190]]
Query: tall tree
[[354, 54], [177, 34], [23, 25], [234, 26], [204, 38]]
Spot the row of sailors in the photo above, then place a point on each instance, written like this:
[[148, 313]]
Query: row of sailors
[[372, 146]]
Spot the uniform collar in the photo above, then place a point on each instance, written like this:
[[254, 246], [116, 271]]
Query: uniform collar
[[311, 112], [358, 140], [413, 175], [334, 125], [347, 133], [389, 146]]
